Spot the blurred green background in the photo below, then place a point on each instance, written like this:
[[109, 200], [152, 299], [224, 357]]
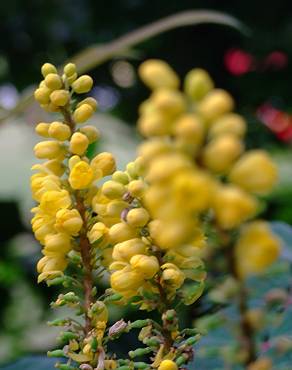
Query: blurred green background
[[255, 68]]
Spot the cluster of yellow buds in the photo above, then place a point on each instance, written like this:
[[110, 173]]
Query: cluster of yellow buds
[[194, 154], [146, 256], [67, 176]]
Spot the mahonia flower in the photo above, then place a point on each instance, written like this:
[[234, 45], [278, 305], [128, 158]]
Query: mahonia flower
[[56, 186], [193, 157], [148, 253]]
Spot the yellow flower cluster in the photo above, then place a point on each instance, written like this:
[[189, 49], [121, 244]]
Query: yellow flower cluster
[[194, 158], [67, 175], [257, 248], [140, 264]]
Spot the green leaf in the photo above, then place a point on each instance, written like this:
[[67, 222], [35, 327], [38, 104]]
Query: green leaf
[[192, 292]]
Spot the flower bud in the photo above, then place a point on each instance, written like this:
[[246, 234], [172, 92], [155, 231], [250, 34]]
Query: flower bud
[[55, 166], [230, 123], [190, 129], [256, 249], [125, 250], [59, 131], [156, 73], [91, 132], [137, 217], [197, 84], [81, 176], [105, 162], [167, 365], [57, 243], [115, 208], [83, 113], [113, 189], [137, 188], [42, 129], [121, 232], [232, 206], [220, 154], [78, 143], [121, 177], [91, 101], [97, 231], [68, 221], [42, 95], [215, 103], [83, 84], [255, 172], [70, 69], [60, 97], [126, 281], [48, 150], [169, 102], [173, 277], [53, 81], [54, 200], [48, 68], [148, 266]]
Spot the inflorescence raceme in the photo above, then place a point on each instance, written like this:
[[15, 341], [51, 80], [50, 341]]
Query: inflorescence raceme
[[145, 226], [86, 229]]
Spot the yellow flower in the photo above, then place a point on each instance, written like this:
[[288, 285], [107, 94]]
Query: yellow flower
[[41, 183], [68, 221], [83, 84], [91, 133], [59, 131], [113, 189], [255, 172], [126, 281], [168, 365], [121, 232], [125, 250], [172, 276], [60, 97], [147, 266], [83, 113], [57, 244], [232, 206], [230, 123], [53, 81], [42, 225], [78, 143], [156, 73], [81, 176], [189, 129], [169, 102], [197, 83], [97, 231], [216, 103], [52, 201], [220, 154], [256, 249], [137, 217], [49, 150], [105, 162]]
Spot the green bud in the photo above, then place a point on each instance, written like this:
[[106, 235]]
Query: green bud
[[94, 344], [66, 336], [56, 281], [141, 365], [152, 342], [71, 297], [56, 353], [192, 340], [113, 297], [123, 368], [140, 352], [181, 360], [58, 322], [138, 324], [66, 367]]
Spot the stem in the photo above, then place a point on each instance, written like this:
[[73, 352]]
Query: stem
[[86, 259], [247, 332], [84, 243], [247, 337]]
